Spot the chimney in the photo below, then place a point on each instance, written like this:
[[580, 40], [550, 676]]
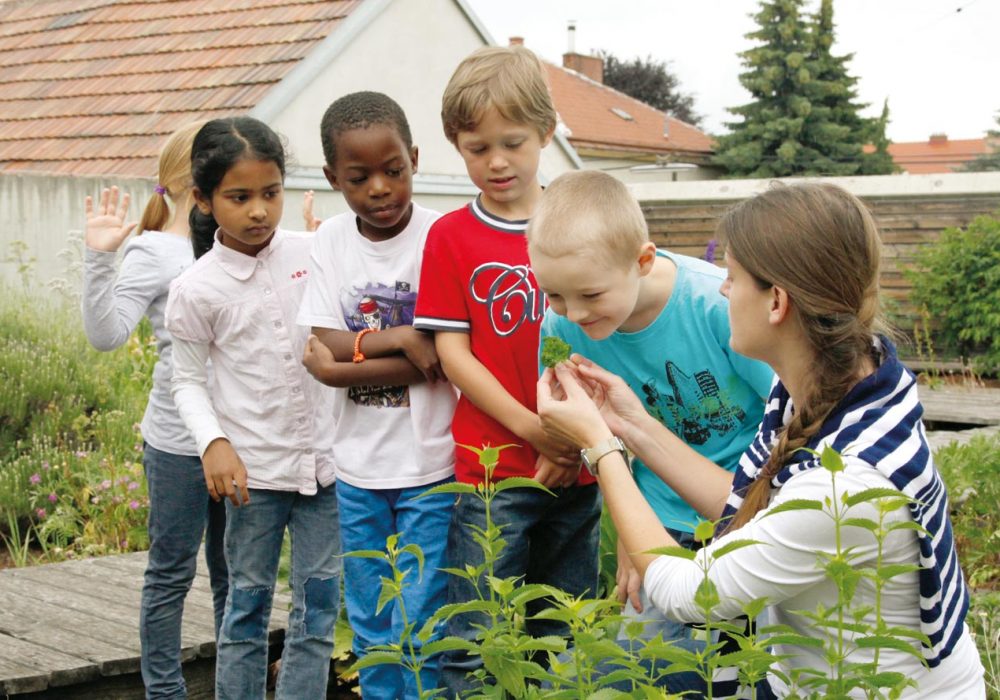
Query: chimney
[[590, 66], [516, 41], [939, 139]]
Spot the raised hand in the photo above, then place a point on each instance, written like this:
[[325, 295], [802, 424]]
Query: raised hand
[[106, 227], [617, 402], [311, 222]]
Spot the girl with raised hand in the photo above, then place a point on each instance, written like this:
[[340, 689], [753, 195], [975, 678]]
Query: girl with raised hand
[[803, 292], [114, 301], [262, 425]]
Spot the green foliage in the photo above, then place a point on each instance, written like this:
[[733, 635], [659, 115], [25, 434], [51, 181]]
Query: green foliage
[[984, 621], [650, 81], [804, 118], [970, 472], [957, 279], [70, 479], [554, 351]]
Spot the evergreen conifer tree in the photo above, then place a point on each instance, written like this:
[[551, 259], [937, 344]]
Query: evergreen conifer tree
[[804, 118], [877, 160], [991, 159]]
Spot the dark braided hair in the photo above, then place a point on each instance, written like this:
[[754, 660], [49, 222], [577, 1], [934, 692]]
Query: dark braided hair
[[217, 146], [360, 110]]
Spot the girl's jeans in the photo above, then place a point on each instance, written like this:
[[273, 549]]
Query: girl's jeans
[[367, 518], [180, 513], [253, 547]]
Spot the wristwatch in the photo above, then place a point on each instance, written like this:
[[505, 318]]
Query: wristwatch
[[592, 455]]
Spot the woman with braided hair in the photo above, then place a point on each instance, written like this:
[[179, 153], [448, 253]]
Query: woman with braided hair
[[802, 284]]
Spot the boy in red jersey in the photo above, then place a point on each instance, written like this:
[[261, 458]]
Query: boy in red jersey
[[479, 296]]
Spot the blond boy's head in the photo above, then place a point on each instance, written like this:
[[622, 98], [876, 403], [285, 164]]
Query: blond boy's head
[[509, 79], [588, 211]]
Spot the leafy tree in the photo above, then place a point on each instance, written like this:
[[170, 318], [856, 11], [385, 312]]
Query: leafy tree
[[649, 81], [991, 159], [804, 118]]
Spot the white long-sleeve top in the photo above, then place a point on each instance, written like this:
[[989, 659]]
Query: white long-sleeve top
[[239, 311], [786, 569], [114, 301]]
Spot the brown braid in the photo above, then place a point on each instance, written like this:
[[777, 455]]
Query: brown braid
[[819, 244]]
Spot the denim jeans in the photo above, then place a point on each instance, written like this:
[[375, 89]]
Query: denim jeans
[[653, 621], [367, 518], [253, 547], [180, 514], [550, 540]]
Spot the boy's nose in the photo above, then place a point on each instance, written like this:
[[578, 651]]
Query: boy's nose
[[576, 313], [377, 186], [498, 162]]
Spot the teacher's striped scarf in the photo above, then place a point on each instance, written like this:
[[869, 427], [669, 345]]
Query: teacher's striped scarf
[[879, 421]]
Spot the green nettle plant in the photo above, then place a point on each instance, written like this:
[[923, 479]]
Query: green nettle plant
[[586, 665]]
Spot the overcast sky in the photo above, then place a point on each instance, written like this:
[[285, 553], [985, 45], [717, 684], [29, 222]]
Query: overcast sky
[[936, 60]]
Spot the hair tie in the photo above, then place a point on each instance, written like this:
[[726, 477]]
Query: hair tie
[[160, 189]]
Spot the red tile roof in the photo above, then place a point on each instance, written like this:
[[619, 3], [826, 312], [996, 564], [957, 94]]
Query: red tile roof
[[93, 86], [937, 155], [586, 107]]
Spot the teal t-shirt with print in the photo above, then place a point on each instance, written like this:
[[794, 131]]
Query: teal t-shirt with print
[[682, 368]]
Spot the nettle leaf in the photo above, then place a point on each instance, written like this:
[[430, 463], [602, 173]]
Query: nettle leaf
[[375, 658], [794, 639], [884, 642], [531, 591], [870, 495], [863, 523], [448, 644], [755, 607], [794, 504], [831, 460], [674, 551], [365, 554], [892, 570], [451, 487], [732, 546], [909, 525], [704, 531], [520, 482]]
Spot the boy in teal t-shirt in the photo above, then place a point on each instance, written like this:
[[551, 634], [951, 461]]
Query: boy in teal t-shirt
[[658, 321]]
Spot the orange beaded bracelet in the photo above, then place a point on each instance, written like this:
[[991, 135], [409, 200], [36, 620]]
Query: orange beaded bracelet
[[358, 355]]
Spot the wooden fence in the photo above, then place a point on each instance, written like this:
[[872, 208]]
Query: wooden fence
[[907, 222]]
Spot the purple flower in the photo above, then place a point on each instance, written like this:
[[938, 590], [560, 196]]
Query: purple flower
[[53, 497], [46, 466], [105, 485], [132, 485], [35, 478], [40, 512], [80, 454], [134, 505], [710, 250]]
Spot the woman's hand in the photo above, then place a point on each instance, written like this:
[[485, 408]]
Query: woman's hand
[[619, 405], [575, 419], [552, 475], [106, 227]]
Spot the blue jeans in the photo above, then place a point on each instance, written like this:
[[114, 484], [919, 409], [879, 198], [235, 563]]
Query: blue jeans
[[367, 518], [253, 547], [653, 621], [549, 540], [180, 514]]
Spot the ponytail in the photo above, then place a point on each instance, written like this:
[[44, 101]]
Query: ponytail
[[156, 215]]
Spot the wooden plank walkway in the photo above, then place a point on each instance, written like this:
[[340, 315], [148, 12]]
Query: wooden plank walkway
[[969, 406], [77, 622]]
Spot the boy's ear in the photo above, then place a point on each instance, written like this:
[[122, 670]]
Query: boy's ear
[[647, 257], [331, 177], [204, 203], [414, 152], [547, 139]]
